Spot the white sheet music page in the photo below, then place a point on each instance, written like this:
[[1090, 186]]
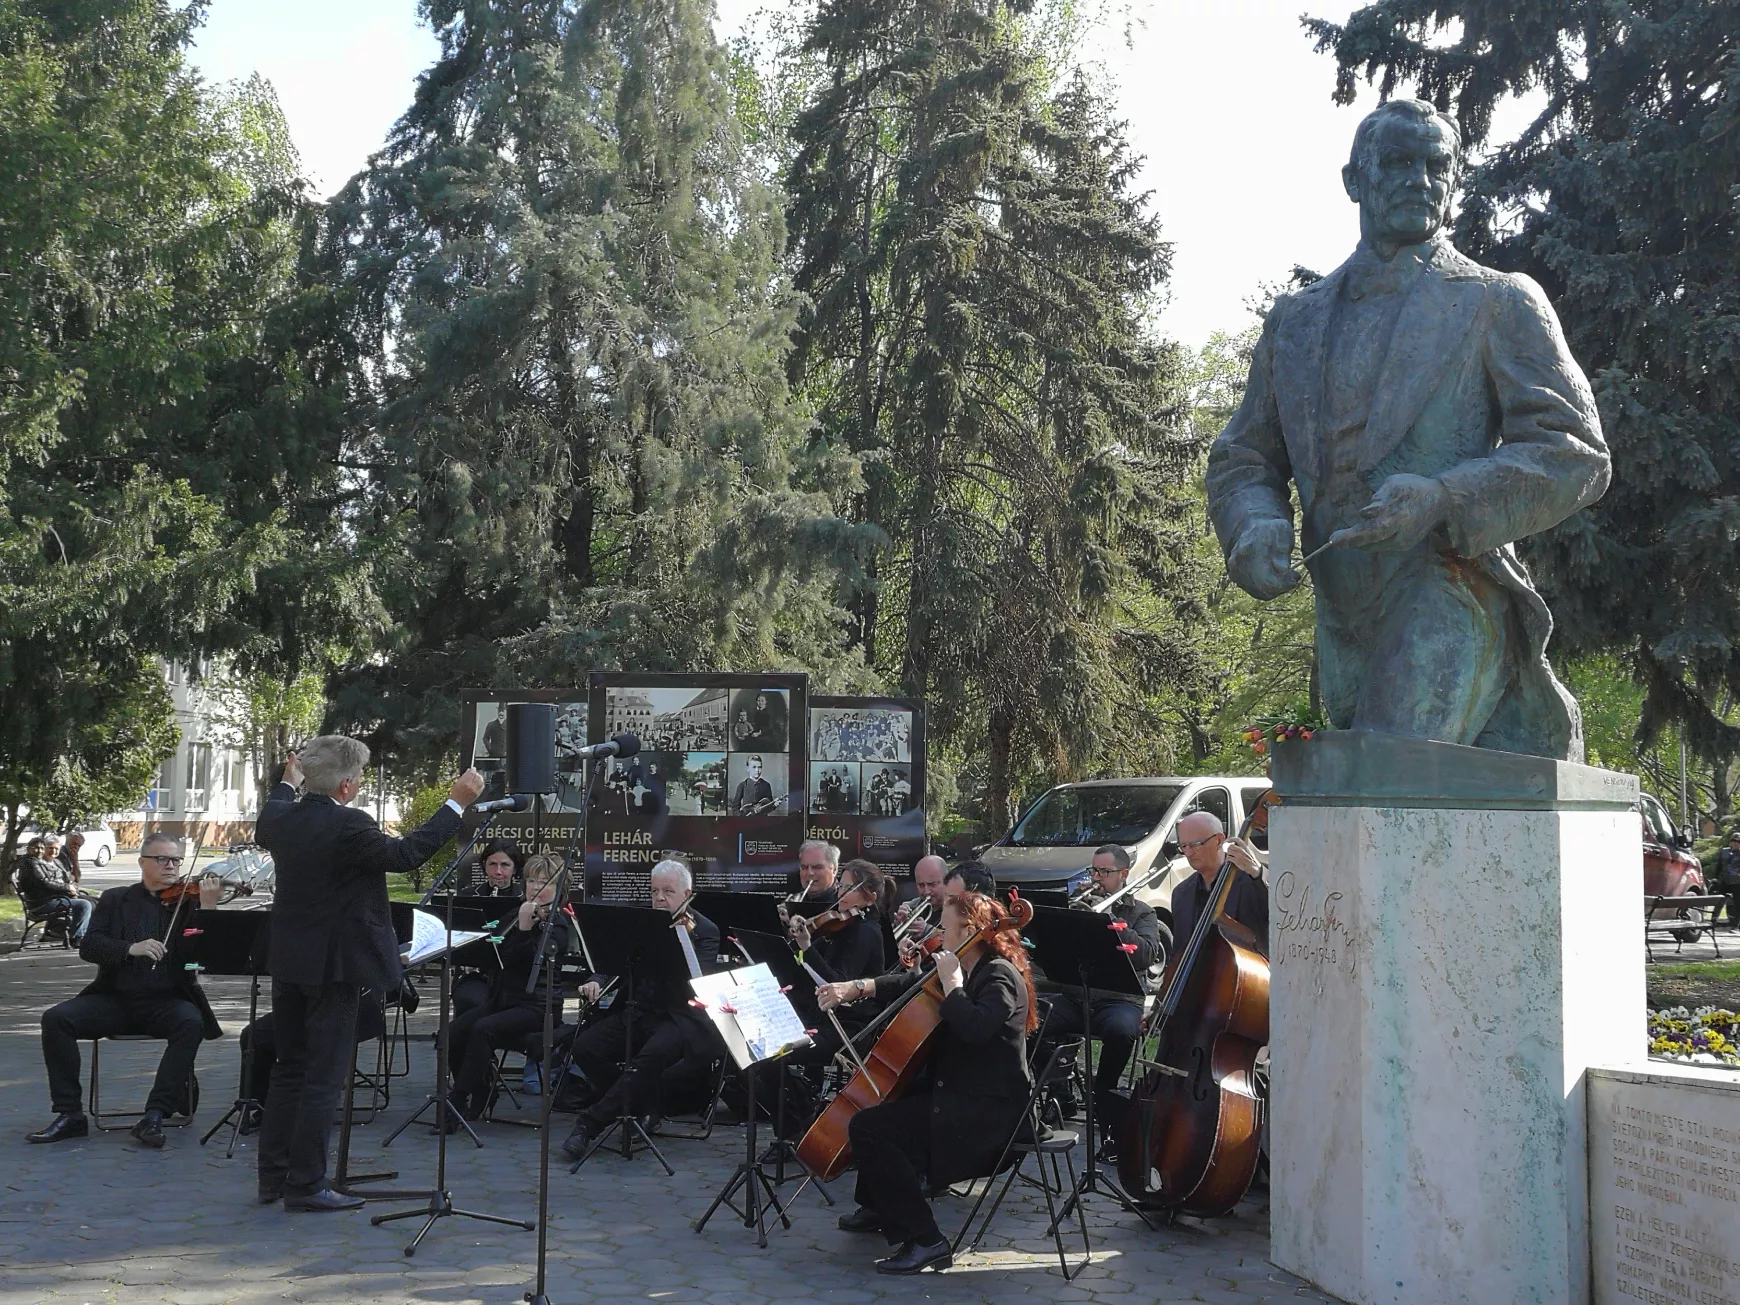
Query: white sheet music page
[[754, 1017], [429, 937]]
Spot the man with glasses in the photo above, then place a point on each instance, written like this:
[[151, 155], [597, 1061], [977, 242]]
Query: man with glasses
[[135, 991], [1115, 1019], [1204, 842]]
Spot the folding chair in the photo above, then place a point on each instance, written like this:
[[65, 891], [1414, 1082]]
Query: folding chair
[[131, 1116], [681, 1075], [1030, 1137]]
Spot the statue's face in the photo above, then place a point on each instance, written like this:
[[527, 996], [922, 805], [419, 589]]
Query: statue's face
[[1404, 182]]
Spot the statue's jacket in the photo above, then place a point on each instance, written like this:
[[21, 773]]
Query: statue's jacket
[[1477, 389]]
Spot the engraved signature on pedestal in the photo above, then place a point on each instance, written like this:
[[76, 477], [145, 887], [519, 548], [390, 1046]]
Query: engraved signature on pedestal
[[1308, 929]]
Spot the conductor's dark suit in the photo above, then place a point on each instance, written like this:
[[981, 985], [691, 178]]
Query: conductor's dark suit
[[332, 936]]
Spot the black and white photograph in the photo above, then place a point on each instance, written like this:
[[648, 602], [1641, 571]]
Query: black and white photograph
[[669, 720], [636, 786], [833, 788], [759, 721], [887, 790], [490, 740], [756, 786], [860, 734]]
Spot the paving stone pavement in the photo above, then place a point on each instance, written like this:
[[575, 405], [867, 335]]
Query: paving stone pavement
[[101, 1220]]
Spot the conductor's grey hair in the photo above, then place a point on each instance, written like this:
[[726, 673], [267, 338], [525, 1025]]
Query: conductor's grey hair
[[329, 760], [671, 868]]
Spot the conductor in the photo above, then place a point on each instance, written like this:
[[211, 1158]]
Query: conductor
[[331, 937]]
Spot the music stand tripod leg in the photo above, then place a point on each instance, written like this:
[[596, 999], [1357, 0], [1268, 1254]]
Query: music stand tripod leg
[[238, 1111], [625, 1120]]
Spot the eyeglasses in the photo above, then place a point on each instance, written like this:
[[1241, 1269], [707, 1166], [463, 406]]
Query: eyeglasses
[[1105, 870], [1201, 842], [173, 862]]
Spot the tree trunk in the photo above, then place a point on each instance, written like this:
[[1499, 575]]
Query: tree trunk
[[10, 858], [998, 795]]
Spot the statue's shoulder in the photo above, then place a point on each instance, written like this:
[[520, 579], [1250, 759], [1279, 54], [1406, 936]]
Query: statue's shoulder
[[1454, 265]]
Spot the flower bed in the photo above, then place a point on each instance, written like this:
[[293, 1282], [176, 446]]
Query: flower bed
[[1705, 1036]]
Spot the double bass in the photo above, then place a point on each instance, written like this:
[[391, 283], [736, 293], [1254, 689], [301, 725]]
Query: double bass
[[887, 1070], [1191, 1136]]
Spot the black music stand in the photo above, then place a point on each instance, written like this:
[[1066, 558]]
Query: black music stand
[[231, 943], [732, 911], [775, 952], [1084, 947], [623, 940], [342, 1179], [439, 1203]]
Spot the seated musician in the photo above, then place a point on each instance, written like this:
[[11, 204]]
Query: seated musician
[[134, 992], [502, 862], [953, 1124], [510, 1012], [1206, 846], [667, 1027], [1115, 1019], [258, 1045], [852, 950]]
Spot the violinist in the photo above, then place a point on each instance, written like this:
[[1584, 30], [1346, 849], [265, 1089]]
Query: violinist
[[510, 1012], [1206, 846], [669, 1028], [845, 941], [502, 862], [952, 1125], [1114, 1018], [135, 991]]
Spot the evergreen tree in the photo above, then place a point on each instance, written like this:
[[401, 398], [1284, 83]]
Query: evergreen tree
[[569, 293], [979, 271], [142, 242], [1619, 199]]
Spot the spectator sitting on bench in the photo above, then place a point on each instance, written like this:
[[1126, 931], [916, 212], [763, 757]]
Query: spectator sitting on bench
[[43, 880], [133, 993]]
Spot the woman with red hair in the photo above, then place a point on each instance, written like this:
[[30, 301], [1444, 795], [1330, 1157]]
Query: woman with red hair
[[952, 1124]]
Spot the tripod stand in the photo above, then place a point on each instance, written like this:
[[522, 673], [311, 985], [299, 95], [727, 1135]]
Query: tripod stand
[[626, 1123], [440, 1203]]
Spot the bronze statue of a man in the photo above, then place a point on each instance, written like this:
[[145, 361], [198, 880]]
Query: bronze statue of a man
[[1430, 415]]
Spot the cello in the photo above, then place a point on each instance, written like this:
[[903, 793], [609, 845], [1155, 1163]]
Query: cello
[[889, 1067], [1190, 1139]]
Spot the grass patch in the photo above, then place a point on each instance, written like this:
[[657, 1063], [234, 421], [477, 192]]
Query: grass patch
[[11, 908], [399, 889], [1694, 983]]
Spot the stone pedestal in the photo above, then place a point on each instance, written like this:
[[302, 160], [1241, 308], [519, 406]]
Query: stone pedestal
[[1455, 938]]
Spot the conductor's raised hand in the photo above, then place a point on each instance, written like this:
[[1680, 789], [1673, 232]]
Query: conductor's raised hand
[[467, 788], [292, 770]]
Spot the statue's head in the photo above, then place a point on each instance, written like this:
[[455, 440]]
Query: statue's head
[[1406, 160]]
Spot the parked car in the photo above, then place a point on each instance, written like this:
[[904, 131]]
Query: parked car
[[99, 846], [1053, 843], [1669, 868]]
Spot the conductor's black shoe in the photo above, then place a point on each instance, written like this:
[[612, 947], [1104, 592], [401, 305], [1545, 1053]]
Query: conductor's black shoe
[[914, 1258], [324, 1200], [861, 1220], [63, 1129], [149, 1130], [577, 1142]]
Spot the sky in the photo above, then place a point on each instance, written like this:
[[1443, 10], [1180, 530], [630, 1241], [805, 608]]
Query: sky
[[1225, 99]]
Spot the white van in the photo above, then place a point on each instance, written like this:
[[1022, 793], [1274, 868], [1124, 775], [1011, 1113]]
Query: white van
[[1053, 844]]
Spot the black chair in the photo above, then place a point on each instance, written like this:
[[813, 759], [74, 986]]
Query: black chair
[[676, 1089], [129, 1117], [1031, 1137]]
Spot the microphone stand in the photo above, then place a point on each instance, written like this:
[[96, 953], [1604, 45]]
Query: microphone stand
[[549, 961], [440, 1201]]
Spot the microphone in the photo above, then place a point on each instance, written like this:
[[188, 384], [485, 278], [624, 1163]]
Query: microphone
[[623, 745], [518, 802]]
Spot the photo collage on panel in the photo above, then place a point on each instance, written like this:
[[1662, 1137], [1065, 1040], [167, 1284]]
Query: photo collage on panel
[[861, 761], [704, 752]]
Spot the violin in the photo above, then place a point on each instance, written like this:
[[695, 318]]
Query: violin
[[1191, 1135], [900, 1052], [834, 919]]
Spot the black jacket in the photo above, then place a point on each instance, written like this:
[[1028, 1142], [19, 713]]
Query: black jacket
[[1142, 929], [40, 882], [330, 922], [1728, 866], [853, 951], [1247, 902], [978, 1076], [122, 917], [670, 994]]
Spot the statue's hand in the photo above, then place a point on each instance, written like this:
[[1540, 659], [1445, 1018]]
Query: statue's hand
[[1259, 562], [1404, 511]]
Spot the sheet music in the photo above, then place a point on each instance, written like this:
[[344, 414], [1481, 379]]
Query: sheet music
[[429, 938], [754, 1017]]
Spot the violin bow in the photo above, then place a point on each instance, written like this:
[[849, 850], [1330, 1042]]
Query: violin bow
[[846, 1042], [174, 915]]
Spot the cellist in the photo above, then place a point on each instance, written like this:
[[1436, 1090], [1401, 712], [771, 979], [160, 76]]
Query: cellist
[[1206, 846], [953, 1123]]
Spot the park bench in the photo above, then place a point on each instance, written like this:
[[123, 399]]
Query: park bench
[[1691, 915]]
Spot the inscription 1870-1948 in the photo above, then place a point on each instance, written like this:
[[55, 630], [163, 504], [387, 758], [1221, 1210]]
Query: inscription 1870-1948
[[1308, 928]]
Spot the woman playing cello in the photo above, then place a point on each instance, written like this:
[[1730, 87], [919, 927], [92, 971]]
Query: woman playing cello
[[952, 1124]]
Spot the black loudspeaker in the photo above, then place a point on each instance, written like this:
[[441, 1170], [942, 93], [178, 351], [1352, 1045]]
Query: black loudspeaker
[[531, 747]]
